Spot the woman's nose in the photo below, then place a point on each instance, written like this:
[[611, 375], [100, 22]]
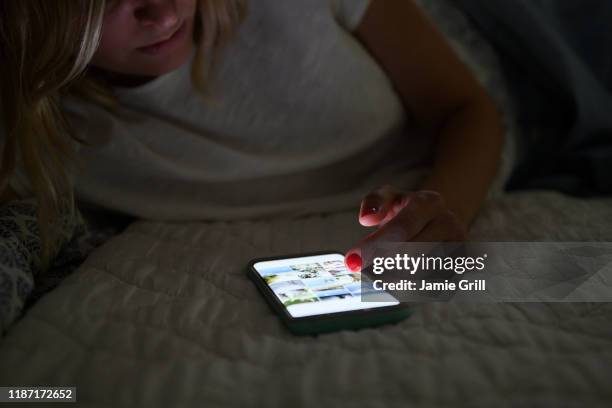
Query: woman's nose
[[160, 13]]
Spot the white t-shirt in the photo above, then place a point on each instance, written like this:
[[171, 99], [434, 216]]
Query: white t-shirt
[[298, 119]]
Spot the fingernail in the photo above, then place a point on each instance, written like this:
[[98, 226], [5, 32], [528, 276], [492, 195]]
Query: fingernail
[[353, 261], [370, 210]]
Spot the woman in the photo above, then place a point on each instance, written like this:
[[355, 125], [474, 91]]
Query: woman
[[308, 107]]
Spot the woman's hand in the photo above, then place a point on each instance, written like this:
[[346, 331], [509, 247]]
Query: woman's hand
[[468, 127], [417, 216]]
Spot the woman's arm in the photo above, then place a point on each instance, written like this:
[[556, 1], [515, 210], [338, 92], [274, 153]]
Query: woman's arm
[[439, 92]]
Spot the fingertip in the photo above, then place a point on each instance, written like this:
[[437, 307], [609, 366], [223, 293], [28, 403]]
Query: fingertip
[[370, 216], [370, 220], [370, 209]]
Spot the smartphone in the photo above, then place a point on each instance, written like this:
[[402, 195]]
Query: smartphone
[[316, 293]]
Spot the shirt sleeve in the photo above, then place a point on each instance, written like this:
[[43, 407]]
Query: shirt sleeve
[[349, 13]]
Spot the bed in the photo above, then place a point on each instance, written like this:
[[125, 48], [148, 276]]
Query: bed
[[163, 314]]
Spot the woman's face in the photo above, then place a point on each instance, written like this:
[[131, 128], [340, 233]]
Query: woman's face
[[146, 37]]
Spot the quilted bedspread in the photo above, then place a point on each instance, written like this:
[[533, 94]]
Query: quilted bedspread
[[164, 315]]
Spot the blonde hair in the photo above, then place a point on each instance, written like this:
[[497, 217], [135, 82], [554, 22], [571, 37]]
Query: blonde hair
[[46, 47]]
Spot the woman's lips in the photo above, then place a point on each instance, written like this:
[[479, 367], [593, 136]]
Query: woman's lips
[[165, 45]]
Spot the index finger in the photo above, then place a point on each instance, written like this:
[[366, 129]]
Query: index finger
[[420, 210]]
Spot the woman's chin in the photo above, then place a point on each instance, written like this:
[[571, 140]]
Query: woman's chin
[[143, 70], [160, 65]]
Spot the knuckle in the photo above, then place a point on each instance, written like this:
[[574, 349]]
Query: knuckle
[[431, 197]]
